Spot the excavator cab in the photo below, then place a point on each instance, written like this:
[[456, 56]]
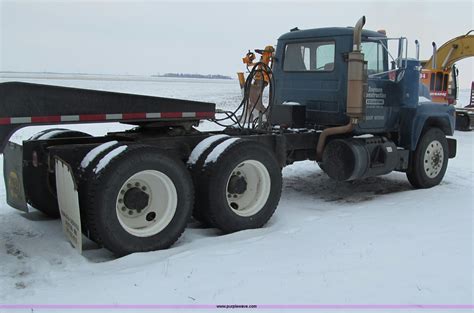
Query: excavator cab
[[437, 81], [439, 73]]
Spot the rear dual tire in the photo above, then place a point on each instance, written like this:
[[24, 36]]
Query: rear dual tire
[[239, 188], [140, 201]]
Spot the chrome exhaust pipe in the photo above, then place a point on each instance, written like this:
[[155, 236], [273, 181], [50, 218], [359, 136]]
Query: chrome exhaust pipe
[[417, 44], [433, 59]]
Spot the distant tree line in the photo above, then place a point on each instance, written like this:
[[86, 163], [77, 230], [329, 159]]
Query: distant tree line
[[186, 75]]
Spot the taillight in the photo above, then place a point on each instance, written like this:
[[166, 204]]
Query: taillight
[[34, 159]]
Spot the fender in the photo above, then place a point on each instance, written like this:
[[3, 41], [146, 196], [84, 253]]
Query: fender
[[414, 120]]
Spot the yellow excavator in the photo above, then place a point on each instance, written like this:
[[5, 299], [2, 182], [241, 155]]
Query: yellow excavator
[[439, 74]]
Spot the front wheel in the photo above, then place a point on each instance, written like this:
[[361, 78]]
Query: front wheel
[[429, 161]]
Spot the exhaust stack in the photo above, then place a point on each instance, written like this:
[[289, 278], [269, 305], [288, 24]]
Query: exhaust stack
[[417, 44], [356, 76], [356, 89], [433, 59], [358, 34]]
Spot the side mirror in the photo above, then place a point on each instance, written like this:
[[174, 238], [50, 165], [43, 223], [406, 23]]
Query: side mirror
[[396, 76], [402, 52], [400, 75]]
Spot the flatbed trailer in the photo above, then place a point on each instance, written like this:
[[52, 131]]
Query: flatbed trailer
[[136, 190], [24, 104]]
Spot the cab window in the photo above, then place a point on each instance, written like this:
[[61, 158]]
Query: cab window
[[445, 82], [373, 54], [439, 81], [309, 57]]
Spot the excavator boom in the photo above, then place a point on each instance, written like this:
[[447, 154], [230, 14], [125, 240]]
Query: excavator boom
[[450, 52]]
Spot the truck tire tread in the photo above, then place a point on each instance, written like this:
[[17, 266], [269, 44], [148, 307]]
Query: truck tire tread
[[101, 191]]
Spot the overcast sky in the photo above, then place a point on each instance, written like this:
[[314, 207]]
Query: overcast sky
[[149, 37]]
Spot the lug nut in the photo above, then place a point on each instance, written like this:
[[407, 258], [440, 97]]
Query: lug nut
[[130, 212]]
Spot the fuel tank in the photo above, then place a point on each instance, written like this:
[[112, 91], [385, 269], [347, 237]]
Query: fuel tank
[[355, 158]]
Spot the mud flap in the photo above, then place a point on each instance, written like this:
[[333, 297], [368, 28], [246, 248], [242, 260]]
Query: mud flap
[[13, 175], [68, 200]]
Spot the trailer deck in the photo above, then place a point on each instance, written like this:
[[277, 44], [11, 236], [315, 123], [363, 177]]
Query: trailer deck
[[23, 104]]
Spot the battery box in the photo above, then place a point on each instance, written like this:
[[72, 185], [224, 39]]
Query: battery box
[[289, 115]]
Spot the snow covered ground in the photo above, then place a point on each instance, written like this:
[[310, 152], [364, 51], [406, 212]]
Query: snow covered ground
[[375, 241]]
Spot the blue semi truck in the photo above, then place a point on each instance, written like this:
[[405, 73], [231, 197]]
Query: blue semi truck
[[337, 96]]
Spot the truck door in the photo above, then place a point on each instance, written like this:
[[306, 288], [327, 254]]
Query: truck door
[[382, 98], [314, 74]]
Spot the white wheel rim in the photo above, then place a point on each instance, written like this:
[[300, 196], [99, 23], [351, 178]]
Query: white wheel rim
[[250, 201], [433, 159], [149, 220]]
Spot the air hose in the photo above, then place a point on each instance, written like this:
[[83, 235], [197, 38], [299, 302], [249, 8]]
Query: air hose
[[246, 108]]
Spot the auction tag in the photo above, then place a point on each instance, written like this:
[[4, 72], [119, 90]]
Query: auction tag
[[68, 200]]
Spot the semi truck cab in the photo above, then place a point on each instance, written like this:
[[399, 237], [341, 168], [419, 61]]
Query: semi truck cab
[[311, 69]]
